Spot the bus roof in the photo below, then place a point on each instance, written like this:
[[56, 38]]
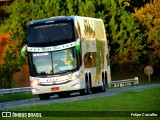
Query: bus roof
[[61, 18]]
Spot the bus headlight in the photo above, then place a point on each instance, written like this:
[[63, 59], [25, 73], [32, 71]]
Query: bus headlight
[[34, 83]]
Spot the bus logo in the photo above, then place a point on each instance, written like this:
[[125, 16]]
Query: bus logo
[[6, 114]]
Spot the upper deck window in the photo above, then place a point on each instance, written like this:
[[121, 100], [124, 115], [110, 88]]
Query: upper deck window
[[51, 32]]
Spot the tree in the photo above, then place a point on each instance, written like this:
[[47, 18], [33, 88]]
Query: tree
[[86, 8], [149, 19], [10, 66], [131, 5], [4, 40], [124, 36]]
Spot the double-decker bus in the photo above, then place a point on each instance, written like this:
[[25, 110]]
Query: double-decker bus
[[67, 54]]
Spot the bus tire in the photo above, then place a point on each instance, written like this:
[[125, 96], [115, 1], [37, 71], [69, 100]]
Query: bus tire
[[87, 89], [44, 96], [84, 91], [106, 78], [87, 85], [103, 87], [95, 90]]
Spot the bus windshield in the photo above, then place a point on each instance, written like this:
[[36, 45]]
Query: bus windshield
[[52, 32], [50, 63]]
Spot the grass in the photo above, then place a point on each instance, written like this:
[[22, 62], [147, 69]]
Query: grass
[[145, 100], [16, 96]]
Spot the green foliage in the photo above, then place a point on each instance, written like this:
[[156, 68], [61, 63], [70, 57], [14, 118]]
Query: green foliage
[[124, 36], [131, 5], [16, 96], [86, 8], [1, 74], [9, 67], [149, 19]]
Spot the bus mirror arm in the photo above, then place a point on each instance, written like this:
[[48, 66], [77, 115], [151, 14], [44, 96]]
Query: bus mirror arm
[[23, 53]]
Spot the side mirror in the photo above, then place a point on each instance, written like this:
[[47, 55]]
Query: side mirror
[[23, 53], [78, 46], [78, 49]]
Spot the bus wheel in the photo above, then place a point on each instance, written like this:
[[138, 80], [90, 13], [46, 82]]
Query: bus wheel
[[103, 87], [87, 89], [87, 85], [103, 84], [94, 90], [44, 96], [84, 91]]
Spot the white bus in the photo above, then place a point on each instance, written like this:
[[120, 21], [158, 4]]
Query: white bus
[[67, 54]]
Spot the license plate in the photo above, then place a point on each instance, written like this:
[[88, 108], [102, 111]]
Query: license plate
[[54, 88]]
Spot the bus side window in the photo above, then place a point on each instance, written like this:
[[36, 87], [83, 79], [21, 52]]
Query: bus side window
[[90, 60]]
